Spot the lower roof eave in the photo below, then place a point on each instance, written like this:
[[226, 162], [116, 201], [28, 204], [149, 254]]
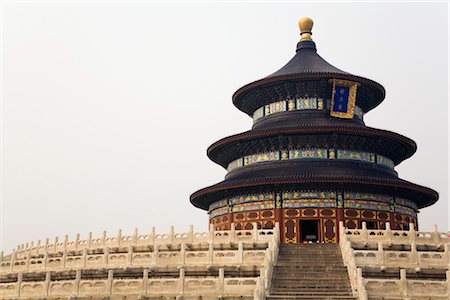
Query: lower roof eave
[[421, 195]]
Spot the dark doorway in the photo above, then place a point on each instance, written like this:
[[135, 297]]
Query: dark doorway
[[371, 225], [309, 231]]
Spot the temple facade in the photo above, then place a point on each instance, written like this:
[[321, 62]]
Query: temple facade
[[309, 160], [311, 208]]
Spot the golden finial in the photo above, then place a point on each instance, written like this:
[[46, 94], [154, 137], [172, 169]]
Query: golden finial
[[305, 25]]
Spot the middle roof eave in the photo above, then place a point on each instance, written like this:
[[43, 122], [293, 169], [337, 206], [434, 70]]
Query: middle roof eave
[[227, 149]]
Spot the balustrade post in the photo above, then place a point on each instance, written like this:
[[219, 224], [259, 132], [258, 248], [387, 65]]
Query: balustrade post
[[210, 253], [241, 252], [104, 239], [64, 258], [183, 254], [364, 233], [145, 281], [28, 260], [153, 235], [38, 244], [211, 234], [1, 257], [221, 282], [119, 238], [181, 282], [446, 256], [255, 231], [89, 241], [341, 230], [77, 241], [268, 266], [47, 283], [19, 284], [109, 282], [277, 231], [135, 237], [66, 239], [233, 232], [447, 275], [435, 234], [403, 283], [276, 250], [12, 261], [380, 254], [55, 244], [45, 259], [130, 255], [414, 254], [412, 233], [155, 255], [76, 288], [191, 233], [105, 256], [46, 244], [360, 285], [85, 253], [171, 234], [388, 233]]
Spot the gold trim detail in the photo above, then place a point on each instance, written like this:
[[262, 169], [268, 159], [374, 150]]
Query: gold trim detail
[[349, 114]]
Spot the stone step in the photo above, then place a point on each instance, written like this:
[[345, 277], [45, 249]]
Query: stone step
[[309, 256], [312, 287], [305, 277], [311, 271], [328, 280], [309, 274], [335, 265], [311, 292], [331, 297], [304, 262], [309, 253], [302, 288]]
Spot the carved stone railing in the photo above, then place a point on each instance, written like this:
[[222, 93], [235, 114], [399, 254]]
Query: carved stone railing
[[388, 236], [136, 239], [405, 288], [176, 254], [167, 258], [145, 286], [383, 257], [184, 255]]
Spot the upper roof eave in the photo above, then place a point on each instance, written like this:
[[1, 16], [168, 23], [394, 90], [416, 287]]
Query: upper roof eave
[[239, 95]]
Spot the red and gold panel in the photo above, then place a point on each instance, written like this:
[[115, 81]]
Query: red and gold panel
[[310, 212], [352, 213], [329, 230], [291, 213], [328, 212], [368, 214], [290, 220], [290, 231]]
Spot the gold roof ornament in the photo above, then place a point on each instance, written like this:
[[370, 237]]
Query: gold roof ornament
[[305, 25]]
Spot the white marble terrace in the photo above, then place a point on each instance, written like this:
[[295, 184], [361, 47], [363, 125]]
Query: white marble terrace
[[419, 260], [161, 264]]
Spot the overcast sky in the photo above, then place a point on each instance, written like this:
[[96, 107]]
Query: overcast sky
[[108, 108]]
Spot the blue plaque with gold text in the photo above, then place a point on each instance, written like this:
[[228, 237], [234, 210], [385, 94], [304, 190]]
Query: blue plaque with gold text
[[343, 98]]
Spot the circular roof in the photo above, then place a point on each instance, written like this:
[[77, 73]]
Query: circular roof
[[306, 65]]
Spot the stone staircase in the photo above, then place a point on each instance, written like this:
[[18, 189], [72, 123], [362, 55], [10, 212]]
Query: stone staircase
[[310, 271]]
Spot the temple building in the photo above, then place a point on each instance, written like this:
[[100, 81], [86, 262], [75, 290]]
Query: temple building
[[309, 160], [311, 208]]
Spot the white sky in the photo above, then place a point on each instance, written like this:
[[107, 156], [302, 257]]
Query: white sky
[[108, 108]]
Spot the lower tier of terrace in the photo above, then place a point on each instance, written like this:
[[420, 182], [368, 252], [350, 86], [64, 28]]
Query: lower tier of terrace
[[232, 264]]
